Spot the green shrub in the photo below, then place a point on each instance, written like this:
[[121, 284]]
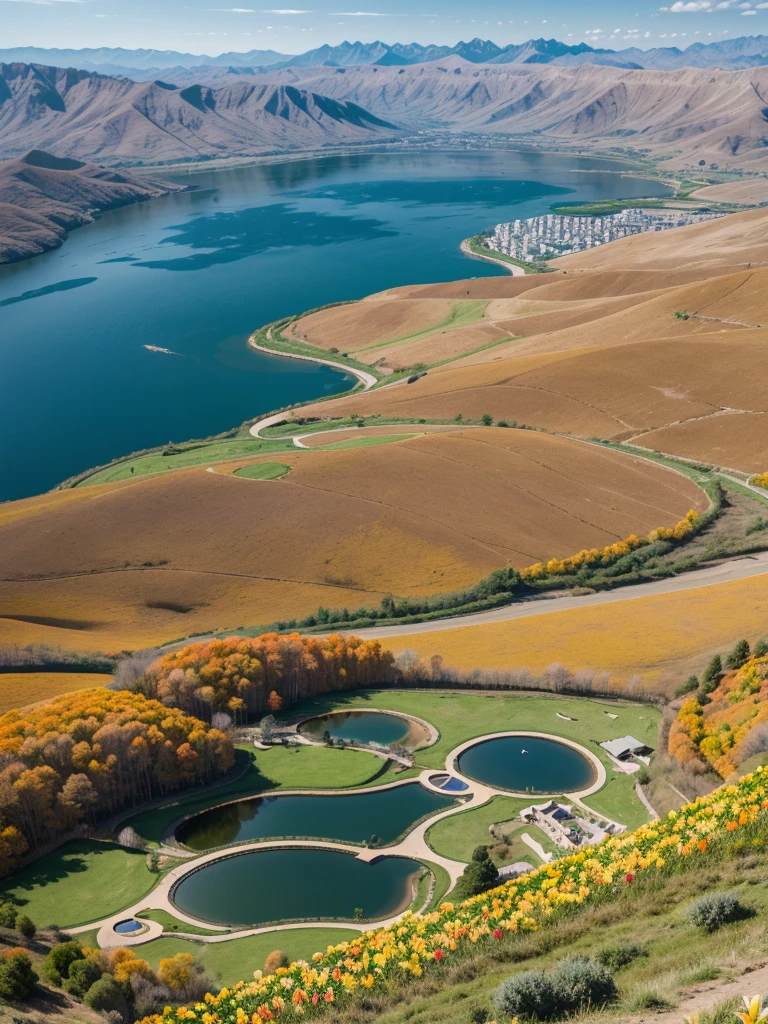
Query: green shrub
[[82, 975], [576, 983], [738, 656], [8, 915], [581, 982], [690, 684], [711, 911], [643, 776], [616, 957], [58, 962], [479, 875], [105, 995], [25, 926], [525, 995], [17, 979]]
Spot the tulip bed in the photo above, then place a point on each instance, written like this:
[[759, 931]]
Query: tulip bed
[[731, 814]]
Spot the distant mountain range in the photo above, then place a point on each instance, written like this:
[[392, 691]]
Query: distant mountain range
[[89, 116], [732, 54]]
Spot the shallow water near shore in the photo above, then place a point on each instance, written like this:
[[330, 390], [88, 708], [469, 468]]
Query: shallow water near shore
[[134, 332]]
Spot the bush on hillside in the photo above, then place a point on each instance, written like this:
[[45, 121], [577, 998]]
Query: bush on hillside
[[25, 926], [276, 958], [17, 978], [82, 975], [526, 995], [57, 964], [581, 982], [8, 915], [616, 957], [712, 911], [105, 995], [480, 875], [576, 983]]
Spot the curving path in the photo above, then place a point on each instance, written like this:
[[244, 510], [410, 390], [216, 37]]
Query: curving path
[[414, 845], [741, 568]]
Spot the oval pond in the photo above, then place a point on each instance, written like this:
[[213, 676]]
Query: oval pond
[[296, 885], [354, 818], [527, 764], [376, 727]]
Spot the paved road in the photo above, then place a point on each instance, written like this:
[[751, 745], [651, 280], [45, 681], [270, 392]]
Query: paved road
[[724, 572]]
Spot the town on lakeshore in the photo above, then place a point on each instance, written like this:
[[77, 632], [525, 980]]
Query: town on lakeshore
[[552, 235]]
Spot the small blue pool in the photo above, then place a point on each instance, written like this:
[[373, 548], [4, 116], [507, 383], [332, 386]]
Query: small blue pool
[[448, 783], [128, 927]]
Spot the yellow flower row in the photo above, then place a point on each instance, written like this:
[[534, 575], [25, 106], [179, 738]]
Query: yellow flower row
[[420, 942]]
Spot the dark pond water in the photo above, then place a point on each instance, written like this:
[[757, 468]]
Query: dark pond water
[[356, 818], [527, 764], [296, 885], [196, 273], [359, 727]]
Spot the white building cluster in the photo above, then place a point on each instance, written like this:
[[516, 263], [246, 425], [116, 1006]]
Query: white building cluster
[[545, 237]]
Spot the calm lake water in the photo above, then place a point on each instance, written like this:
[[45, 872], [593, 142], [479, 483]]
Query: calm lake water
[[196, 273], [296, 885], [527, 763], [354, 818]]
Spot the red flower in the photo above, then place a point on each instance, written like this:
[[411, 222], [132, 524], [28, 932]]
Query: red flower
[[315, 997], [438, 955], [629, 878], [497, 933]]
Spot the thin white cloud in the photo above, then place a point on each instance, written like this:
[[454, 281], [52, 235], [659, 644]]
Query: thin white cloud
[[688, 6], [286, 11], [358, 14]]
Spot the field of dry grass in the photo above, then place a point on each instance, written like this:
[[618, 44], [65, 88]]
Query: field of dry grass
[[660, 639], [166, 556], [18, 689]]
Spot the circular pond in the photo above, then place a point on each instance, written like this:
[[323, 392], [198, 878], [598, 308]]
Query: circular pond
[[296, 885], [527, 764], [377, 818], [129, 926], [377, 727]]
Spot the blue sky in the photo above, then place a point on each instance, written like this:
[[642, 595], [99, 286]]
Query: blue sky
[[212, 26]]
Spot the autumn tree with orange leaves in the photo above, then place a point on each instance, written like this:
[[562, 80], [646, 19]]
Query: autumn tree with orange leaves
[[88, 754], [249, 675]]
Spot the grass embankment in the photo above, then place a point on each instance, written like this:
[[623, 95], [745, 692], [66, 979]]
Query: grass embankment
[[235, 959], [463, 716], [263, 471], [675, 957], [458, 835], [271, 338], [84, 881], [182, 457], [475, 246]]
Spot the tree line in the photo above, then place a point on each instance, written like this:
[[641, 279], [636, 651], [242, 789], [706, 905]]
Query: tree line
[[245, 676], [89, 754]]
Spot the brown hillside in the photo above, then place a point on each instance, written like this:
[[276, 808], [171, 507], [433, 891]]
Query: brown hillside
[[145, 561]]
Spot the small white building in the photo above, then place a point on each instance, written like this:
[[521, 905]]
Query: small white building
[[626, 747]]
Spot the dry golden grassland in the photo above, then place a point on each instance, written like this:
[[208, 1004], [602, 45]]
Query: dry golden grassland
[[18, 689], [188, 551], [661, 639]]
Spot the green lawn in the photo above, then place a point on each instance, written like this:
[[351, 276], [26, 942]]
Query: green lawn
[[463, 716], [82, 882], [364, 442], [237, 959], [197, 455], [173, 924], [457, 835], [294, 767], [263, 471]]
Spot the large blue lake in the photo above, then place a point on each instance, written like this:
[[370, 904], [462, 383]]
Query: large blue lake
[[197, 273]]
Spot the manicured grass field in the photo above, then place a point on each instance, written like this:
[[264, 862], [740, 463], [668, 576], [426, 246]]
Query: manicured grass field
[[197, 455], [263, 471], [236, 959], [172, 924], [364, 442], [83, 881], [462, 716], [294, 767], [458, 835]]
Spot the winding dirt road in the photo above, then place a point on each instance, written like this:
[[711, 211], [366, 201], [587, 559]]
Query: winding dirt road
[[724, 572]]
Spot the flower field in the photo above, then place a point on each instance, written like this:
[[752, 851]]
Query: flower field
[[422, 943]]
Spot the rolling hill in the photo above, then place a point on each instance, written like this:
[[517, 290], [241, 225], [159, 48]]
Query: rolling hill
[[83, 115], [43, 197]]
